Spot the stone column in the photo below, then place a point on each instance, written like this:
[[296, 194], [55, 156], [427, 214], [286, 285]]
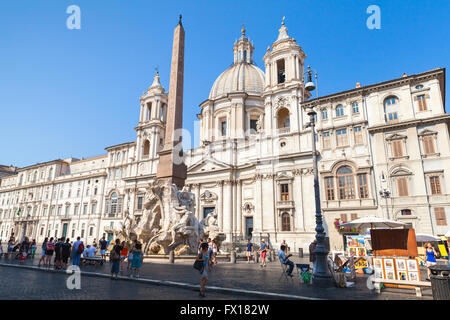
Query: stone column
[[220, 209], [228, 209], [239, 208]]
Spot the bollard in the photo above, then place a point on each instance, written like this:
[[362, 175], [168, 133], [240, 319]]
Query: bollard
[[171, 256], [300, 252], [256, 257], [270, 256], [233, 256]]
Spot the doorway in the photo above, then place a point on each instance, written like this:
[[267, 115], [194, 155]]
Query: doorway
[[64, 230], [248, 227]]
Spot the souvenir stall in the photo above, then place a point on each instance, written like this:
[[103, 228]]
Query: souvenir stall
[[394, 255], [361, 247]]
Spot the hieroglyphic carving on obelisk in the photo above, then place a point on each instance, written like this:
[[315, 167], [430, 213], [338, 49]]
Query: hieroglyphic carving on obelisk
[[170, 164]]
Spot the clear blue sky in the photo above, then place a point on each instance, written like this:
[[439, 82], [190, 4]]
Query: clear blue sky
[[72, 93]]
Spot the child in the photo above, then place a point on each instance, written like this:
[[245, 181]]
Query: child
[[138, 257], [33, 248], [130, 259]]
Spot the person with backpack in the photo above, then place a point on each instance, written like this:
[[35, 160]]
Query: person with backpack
[[49, 252], [78, 248], [58, 248], [114, 257], [103, 245], [44, 248], [65, 253]]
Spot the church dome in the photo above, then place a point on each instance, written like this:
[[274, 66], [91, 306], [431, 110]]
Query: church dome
[[241, 77]]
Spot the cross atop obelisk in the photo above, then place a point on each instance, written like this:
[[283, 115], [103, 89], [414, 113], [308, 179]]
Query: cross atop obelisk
[[170, 164]]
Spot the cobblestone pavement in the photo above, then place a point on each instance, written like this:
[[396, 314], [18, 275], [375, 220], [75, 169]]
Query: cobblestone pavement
[[250, 277], [20, 284]]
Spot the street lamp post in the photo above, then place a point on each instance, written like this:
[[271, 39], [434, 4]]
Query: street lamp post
[[321, 275], [384, 193]]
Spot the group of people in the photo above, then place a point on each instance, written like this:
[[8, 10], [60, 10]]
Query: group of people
[[19, 250], [132, 252]]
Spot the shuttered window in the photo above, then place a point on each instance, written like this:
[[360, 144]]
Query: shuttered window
[[402, 187], [329, 186], [362, 186], [341, 137], [441, 219], [284, 192], [428, 145], [344, 217], [326, 140], [354, 216], [397, 148], [358, 135], [422, 103], [435, 185]]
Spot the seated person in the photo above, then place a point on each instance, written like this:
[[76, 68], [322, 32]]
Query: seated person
[[285, 259], [86, 251], [91, 251]]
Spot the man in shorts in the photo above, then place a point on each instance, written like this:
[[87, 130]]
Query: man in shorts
[[65, 253], [249, 251], [58, 250], [103, 245]]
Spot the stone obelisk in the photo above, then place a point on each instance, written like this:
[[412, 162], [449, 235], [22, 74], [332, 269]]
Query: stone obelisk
[[171, 165]]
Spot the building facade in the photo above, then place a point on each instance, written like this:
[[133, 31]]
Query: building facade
[[254, 163]]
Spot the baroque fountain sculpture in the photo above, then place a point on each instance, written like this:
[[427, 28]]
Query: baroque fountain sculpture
[[169, 223]]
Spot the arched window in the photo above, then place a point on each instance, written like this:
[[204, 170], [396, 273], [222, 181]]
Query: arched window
[[146, 148], [283, 118], [113, 205], [324, 114], [346, 183], [391, 109], [285, 222], [339, 111], [118, 156]]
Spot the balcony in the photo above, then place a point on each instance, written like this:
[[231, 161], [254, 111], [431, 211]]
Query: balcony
[[285, 204], [283, 130]]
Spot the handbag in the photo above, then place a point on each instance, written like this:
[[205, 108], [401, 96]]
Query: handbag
[[198, 265]]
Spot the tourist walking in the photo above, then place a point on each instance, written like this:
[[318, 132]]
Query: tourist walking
[[78, 248], [130, 259], [65, 253], [249, 251], [123, 255], [114, 256], [43, 248], [138, 258], [103, 245], [49, 252], [58, 251], [431, 258], [205, 257], [263, 251], [10, 248]]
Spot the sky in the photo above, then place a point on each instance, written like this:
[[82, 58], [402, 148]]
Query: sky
[[71, 93]]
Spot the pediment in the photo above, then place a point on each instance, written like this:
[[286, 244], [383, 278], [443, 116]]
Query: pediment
[[208, 164], [396, 136], [427, 132]]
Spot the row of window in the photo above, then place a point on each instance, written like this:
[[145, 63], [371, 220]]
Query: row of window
[[398, 146], [345, 185], [342, 138]]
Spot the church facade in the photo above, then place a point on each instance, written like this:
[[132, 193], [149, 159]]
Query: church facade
[[254, 163]]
